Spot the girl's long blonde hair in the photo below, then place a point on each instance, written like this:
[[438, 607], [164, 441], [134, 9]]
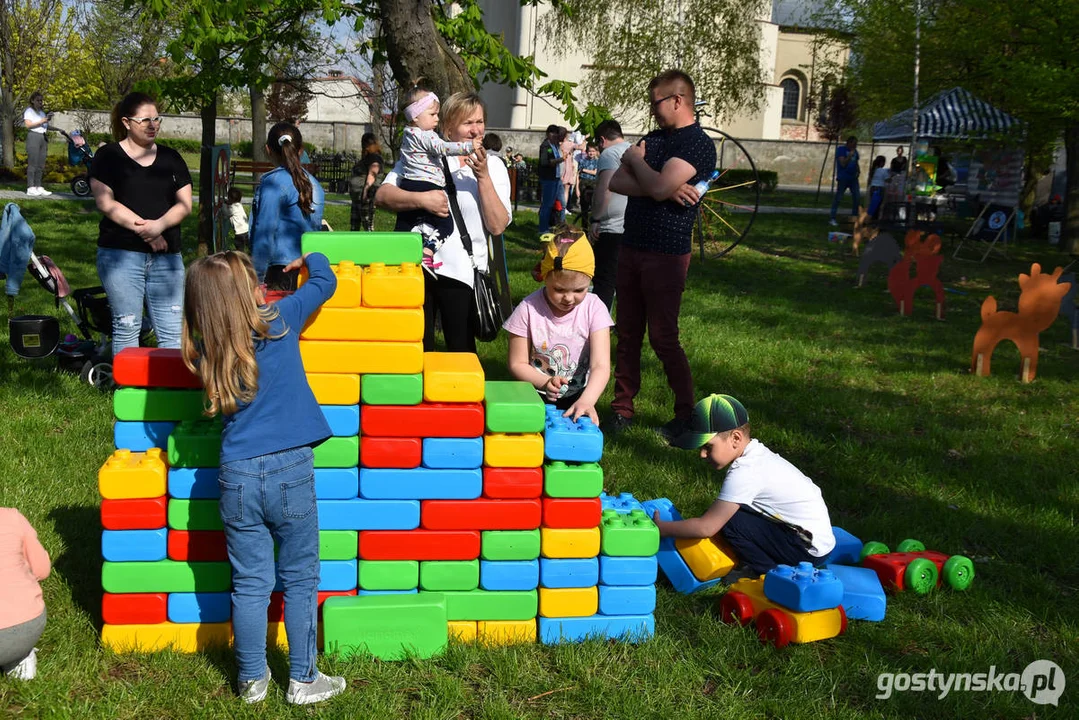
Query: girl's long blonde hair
[[222, 320]]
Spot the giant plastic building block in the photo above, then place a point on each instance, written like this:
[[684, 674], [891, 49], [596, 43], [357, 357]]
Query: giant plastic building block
[[344, 420], [569, 441], [513, 406], [337, 544], [524, 450], [194, 483], [365, 324], [365, 248], [141, 436], [672, 564], [338, 452], [360, 514], [572, 512], [393, 285], [627, 600], [803, 588], [484, 605], [200, 607], [337, 575], [331, 356], [863, 595], [622, 502], [127, 475], [337, 483], [570, 480], [152, 368], [389, 574], [134, 514], [195, 443], [510, 545], [441, 575], [633, 628], [569, 572], [707, 558], [397, 452], [480, 514], [453, 453], [157, 404], [568, 602], [181, 637], [452, 377], [511, 483], [335, 388], [389, 627], [165, 576], [463, 631], [746, 601], [396, 389], [134, 608], [632, 534], [628, 570], [424, 420], [197, 545], [349, 285], [569, 543], [275, 613], [420, 483], [509, 574], [847, 550], [505, 632], [133, 545], [420, 545], [921, 571], [194, 515]]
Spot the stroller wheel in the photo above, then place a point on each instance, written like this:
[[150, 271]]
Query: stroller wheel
[[81, 186], [98, 374]]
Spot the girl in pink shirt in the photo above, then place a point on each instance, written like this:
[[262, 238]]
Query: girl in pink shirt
[[23, 563], [560, 338]]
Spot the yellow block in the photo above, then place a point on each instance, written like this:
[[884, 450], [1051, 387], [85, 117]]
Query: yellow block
[[508, 632], [568, 602], [708, 559], [127, 475], [397, 286], [452, 377], [330, 356], [347, 294], [379, 324], [182, 637], [569, 542], [276, 636], [513, 450], [335, 388], [807, 626], [462, 631]]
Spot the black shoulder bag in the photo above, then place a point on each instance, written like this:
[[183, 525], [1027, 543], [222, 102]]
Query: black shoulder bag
[[486, 312]]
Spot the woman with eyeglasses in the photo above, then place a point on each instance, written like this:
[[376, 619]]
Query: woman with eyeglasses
[[143, 191], [37, 144]]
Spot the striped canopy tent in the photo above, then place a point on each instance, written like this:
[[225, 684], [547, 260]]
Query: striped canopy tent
[[951, 114]]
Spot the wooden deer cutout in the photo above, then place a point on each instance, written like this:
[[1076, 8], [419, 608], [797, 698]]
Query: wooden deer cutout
[[864, 230], [881, 249], [925, 256], [1039, 304]]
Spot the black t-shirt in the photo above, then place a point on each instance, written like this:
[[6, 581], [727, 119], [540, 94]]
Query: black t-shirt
[[667, 226], [547, 168], [148, 192], [360, 170], [899, 164]]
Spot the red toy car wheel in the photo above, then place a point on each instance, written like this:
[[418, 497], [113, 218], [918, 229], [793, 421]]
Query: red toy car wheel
[[776, 627], [735, 607]]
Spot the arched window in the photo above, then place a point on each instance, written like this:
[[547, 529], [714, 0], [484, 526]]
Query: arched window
[[791, 95]]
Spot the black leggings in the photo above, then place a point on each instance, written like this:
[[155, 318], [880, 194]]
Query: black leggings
[[452, 301]]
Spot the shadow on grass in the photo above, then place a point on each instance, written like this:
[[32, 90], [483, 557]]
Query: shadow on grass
[[80, 563]]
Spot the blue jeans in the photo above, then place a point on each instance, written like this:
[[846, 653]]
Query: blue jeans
[[263, 499], [133, 278], [842, 186], [550, 190], [761, 543]]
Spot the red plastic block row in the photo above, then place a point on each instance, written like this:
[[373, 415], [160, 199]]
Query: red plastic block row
[[138, 514], [276, 611], [892, 567], [572, 512], [464, 420], [135, 608], [197, 545], [152, 367], [480, 514], [512, 483], [419, 544], [391, 452]]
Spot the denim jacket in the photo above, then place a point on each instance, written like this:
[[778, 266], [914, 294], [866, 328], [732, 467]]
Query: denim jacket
[[16, 243], [277, 223]]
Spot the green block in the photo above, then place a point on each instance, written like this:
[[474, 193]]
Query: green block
[[392, 389], [337, 545], [439, 575], [572, 480], [632, 535], [510, 544], [492, 605], [194, 515], [364, 248], [158, 404], [390, 627], [195, 444], [389, 574], [338, 452], [165, 576], [513, 406]]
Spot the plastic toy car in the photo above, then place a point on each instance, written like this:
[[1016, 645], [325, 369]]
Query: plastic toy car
[[916, 568], [746, 602]]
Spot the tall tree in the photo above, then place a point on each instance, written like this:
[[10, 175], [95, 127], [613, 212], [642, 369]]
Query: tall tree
[[129, 44]]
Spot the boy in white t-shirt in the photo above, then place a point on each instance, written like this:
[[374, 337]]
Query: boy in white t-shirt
[[767, 510]]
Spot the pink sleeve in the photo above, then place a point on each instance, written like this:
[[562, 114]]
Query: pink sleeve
[[36, 556], [517, 322], [599, 317]]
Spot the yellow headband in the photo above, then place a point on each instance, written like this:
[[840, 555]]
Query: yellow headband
[[579, 257]]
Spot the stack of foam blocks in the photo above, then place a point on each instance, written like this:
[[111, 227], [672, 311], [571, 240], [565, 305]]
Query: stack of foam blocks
[[449, 506]]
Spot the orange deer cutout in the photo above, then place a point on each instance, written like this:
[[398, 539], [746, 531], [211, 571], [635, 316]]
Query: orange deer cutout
[[1039, 304], [864, 230], [925, 256]]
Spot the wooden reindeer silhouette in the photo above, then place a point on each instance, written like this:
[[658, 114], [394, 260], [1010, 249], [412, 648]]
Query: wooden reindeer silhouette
[[881, 249], [864, 230], [925, 256], [1039, 304]]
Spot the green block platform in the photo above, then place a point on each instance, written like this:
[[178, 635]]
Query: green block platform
[[158, 404], [440, 575], [379, 389], [194, 515], [390, 627], [338, 452], [389, 574], [632, 535], [488, 605], [364, 248], [165, 576], [572, 480], [513, 406], [510, 544], [195, 444], [338, 544]]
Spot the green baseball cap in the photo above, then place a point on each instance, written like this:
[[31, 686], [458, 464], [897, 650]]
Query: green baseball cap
[[712, 415]]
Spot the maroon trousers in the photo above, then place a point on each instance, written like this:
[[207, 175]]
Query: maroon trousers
[[650, 287]]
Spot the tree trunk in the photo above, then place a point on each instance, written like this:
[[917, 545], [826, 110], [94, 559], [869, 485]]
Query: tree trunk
[[378, 87], [7, 110], [258, 125], [206, 175], [417, 50], [1070, 231]]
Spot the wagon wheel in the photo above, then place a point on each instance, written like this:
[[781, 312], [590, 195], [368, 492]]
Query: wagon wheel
[[776, 627], [729, 208], [873, 548], [735, 607], [921, 576], [958, 572], [911, 545]]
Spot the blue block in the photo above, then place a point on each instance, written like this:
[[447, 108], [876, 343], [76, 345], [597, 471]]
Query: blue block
[[413, 591], [337, 483], [420, 484], [803, 588], [344, 420], [670, 560], [453, 453], [627, 599], [141, 436], [194, 483], [200, 607], [570, 441], [333, 575], [863, 596], [357, 514], [628, 570], [134, 545], [569, 572], [633, 628], [847, 550], [509, 574], [623, 503]]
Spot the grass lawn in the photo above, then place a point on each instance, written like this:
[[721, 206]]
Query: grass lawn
[[878, 409]]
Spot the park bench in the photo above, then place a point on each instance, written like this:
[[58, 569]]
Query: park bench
[[249, 172]]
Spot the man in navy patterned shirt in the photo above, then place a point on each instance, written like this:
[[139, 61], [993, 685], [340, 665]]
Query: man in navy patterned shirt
[[658, 175]]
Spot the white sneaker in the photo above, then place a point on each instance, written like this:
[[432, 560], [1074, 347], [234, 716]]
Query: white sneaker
[[27, 667], [253, 691], [832, 222], [323, 687], [32, 192], [43, 192]]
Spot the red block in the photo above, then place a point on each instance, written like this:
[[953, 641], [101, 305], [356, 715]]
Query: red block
[[512, 482], [425, 420], [481, 514], [390, 452], [138, 514], [419, 544], [197, 545], [134, 608], [276, 611], [152, 367], [890, 567], [571, 512]]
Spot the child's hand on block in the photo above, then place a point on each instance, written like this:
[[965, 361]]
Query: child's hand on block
[[552, 389], [297, 263], [577, 409]]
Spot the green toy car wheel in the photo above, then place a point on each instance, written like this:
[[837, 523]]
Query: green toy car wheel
[[958, 572], [921, 576], [911, 545], [873, 548]]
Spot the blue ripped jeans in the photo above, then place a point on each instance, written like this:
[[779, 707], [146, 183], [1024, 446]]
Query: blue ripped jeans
[[265, 499], [132, 279]]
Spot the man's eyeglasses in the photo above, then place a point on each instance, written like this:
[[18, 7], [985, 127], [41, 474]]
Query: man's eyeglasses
[[156, 120], [657, 103]]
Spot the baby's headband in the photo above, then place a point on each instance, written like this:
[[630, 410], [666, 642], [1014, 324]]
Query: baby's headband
[[579, 257], [413, 110]]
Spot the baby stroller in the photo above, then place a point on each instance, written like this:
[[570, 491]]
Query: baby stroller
[[79, 154]]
